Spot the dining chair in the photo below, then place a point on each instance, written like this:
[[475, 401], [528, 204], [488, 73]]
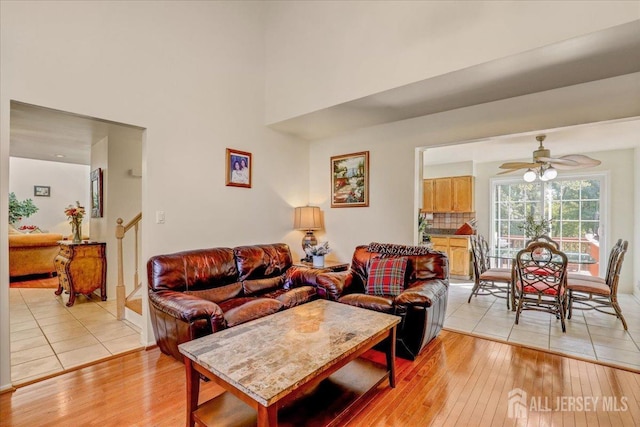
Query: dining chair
[[541, 278], [611, 263], [487, 280], [593, 294]]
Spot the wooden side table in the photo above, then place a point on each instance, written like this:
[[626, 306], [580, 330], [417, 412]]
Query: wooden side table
[[328, 265], [81, 268]]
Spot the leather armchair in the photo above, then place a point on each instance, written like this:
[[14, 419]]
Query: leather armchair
[[422, 305]]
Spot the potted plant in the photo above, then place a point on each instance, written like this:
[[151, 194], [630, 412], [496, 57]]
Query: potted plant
[[20, 209], [422, 227], [533, 228], [318, 252]]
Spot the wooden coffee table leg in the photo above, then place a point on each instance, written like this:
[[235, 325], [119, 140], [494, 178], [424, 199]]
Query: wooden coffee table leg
[[391, 357], [193, 390], [268, 416]]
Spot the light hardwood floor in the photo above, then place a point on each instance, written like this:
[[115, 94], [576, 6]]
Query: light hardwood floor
[[458, 380]]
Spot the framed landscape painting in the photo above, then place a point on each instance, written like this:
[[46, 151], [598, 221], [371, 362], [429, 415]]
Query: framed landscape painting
[[238, 168], [350, 180]]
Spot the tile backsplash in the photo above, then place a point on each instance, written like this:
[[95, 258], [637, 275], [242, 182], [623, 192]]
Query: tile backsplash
[[450, 221]]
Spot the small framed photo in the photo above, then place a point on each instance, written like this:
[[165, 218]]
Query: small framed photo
[[238, 168], [41, 191], [350, 180]]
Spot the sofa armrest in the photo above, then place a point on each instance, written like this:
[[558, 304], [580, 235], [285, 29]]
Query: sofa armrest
[[423, 293], [188, 308], [334, 283], [296, 277]]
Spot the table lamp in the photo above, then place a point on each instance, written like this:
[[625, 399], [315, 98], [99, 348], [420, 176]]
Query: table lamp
[[307, 218]]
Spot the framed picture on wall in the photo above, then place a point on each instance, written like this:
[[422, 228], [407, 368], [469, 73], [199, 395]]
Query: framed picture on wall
[[41, 191], [96, 193], [238, 167], [350, 180]]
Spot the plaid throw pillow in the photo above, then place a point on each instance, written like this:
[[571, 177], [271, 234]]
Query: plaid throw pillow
[[386, 276]]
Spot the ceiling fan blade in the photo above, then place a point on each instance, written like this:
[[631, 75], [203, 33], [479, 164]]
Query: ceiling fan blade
[[581, 159], [508, 171], [559, 161], [518, 165]]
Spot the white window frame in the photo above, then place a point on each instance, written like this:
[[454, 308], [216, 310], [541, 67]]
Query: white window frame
[[603, 177]]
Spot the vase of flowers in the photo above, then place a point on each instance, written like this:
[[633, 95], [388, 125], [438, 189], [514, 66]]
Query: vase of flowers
[[74, 215], [317, 252]]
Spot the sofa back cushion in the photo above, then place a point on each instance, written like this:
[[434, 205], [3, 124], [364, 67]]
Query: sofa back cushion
[[262, 261], [192, 270], [433, 265]]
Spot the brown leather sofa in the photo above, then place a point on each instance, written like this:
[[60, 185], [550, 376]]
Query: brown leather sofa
[[195, 293], [422, 304]]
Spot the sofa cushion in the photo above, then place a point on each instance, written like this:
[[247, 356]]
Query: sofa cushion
[[250, 310], [258, 286], [192, 270], [387, 276], [262, 261], [219, 294]]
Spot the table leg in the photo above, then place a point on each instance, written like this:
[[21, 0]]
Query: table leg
[[193, 390], [268, 415], [391, 357]]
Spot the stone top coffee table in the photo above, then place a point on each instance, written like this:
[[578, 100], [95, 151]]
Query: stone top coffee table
[[270, 362]]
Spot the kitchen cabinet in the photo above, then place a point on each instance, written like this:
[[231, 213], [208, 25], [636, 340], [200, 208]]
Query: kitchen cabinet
[[427, 195], [457, 249], [446, 195]]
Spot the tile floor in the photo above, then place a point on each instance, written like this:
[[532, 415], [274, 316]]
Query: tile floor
[[48, 337], [590, 335]]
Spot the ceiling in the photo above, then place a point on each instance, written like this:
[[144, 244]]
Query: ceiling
[[600, 55], [46, 134], [581, 139]]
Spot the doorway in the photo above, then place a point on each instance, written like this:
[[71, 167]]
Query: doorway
[[59, 150]]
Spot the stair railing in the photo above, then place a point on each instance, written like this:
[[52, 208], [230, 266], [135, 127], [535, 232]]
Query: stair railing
[[121, 230]]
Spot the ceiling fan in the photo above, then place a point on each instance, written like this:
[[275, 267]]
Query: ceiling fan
[[546, 167]]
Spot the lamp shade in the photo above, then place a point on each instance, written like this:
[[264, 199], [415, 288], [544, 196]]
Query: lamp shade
[[530, 175], [307, 218]]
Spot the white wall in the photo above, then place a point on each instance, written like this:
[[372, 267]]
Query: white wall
[[69, 183], [391, 215], [192, 75], [320, 54], [116, 155], [619, 167], [446, 169]]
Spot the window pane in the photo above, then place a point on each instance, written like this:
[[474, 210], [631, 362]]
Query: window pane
[[589, 210], [570, 210], [570, 190]]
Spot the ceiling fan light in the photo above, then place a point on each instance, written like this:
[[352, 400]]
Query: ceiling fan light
[[529, 175], [550, 173]]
